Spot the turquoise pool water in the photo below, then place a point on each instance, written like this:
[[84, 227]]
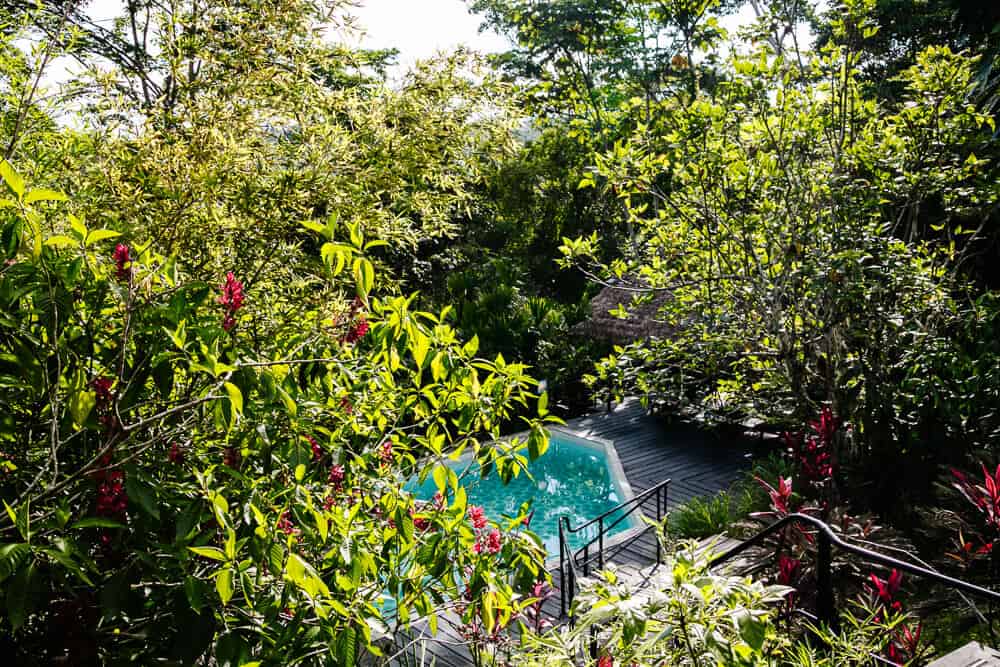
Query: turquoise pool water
[[574, 478]]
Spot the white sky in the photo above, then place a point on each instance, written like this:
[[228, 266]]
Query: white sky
[[418, 28]]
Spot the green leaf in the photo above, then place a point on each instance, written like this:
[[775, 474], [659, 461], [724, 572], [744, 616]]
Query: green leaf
[[437, 367], [235, 397], [96, 522], [11, 558], [64, 559], [471, 347], [59, 241], [209, 552], [364, 276], [224, 585], [20, 519], [193, 591], [145, 494], [79, 229], [44, 195], [419, 347], [81, 403], [543, 404], [12, 178], [314, 226], [302, 574], [19, 594], [357, 238], [99, 235]]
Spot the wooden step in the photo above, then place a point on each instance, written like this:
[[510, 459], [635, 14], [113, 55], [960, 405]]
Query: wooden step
[[972, 654]]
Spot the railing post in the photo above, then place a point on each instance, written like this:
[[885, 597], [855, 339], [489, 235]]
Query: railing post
[[586, 559], [600, 543], [825, 607], [562, 568], [659, 518]]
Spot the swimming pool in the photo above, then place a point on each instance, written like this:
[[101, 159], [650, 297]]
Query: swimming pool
[[577, 477]]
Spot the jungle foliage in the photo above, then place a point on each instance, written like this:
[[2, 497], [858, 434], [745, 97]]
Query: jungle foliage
[[250, 286]]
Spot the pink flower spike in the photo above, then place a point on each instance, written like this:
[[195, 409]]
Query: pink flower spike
[[478, 517], [122, 258]]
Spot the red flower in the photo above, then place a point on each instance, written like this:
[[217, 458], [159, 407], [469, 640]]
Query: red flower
[[317, 451], [494, 541], [286, 526], [605, 661], [386, 452], [346, 406], [176, 454], [337, 476], [357, 331], [478, 517], [231, 457], [102, 392], [112, 501], [419, 522], [122, 258], [231, 299]]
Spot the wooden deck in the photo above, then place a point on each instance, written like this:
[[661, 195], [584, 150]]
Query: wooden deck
[[697, 462]]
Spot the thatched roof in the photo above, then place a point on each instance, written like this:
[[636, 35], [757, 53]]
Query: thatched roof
[[641, 321]]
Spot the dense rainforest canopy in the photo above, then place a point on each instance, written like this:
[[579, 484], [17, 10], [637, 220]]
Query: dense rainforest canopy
[[255, 279]]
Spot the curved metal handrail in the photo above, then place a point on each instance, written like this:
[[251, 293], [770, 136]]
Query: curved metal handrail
[[825, 530], [825, 604]]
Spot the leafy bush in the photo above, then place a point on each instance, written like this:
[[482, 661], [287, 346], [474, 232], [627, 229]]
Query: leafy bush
[[178, 488]]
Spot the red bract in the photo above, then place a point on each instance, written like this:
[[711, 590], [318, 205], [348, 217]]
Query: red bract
[[286, 525], [122, 258], [231, 299], [781, 498], [984, 497], [886, 589], [605, 661], [176, 454], [826, 426], [905, 644], [478, 517], [788, 570], [346, 406]]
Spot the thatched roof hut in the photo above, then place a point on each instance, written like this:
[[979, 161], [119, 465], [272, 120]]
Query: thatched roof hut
[[640, 324]]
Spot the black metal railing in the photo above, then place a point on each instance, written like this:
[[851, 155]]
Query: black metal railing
[[826, 540], [593, 552]]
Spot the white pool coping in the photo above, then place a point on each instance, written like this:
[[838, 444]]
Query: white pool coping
[[618, 478]]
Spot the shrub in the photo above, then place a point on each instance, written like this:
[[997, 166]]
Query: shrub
[[178, 488]]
